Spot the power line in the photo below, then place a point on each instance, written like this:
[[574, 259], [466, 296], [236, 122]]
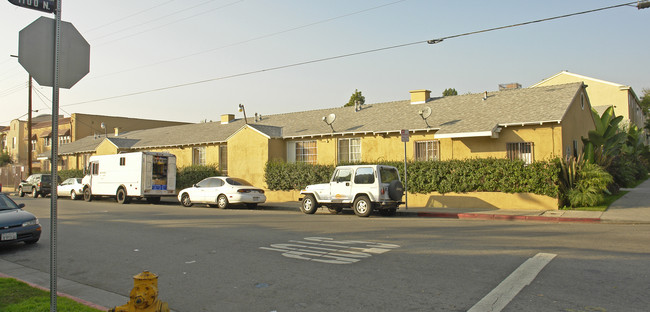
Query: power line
[[433, 41], [167, 24], [430, 41], [129, 16], [252, 39]]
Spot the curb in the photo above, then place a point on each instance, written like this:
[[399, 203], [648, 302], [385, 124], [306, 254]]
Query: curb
[[60, 294], [481, 216]]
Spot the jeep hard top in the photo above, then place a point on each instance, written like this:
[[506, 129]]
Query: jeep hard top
[[363, 188]]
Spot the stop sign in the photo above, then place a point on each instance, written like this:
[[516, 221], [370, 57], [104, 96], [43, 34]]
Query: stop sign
[[36, 53]]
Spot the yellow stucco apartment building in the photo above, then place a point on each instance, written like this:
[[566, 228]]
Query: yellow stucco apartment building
[[530, 124]]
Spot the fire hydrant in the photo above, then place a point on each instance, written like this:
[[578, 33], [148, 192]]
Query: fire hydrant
[[143, 296]]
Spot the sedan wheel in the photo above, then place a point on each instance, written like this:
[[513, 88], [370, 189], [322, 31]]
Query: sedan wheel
[[34, 193], [20, 192], [185, 200], [73, 195], [222, 201]]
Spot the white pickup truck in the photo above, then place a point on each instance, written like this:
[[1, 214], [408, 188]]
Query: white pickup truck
[[363, 188]]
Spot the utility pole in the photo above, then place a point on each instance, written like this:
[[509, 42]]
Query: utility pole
[[29, 124], [29, 128]]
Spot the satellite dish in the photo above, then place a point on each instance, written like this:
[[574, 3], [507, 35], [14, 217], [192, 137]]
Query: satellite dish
[[329, 119], [425, 113]]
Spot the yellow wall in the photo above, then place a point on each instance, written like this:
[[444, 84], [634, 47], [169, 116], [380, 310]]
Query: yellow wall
[[277, 150], [184, 155], [601, 94], [248, 153], [482, 200], [106, 148], [576, 124]]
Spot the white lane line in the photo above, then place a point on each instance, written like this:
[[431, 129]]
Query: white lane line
[[499, 297]]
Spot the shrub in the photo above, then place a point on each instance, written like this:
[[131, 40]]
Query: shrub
[[188, 176], [70, 173], [5, 159], [482, 175], [591, 183], [281, 176]]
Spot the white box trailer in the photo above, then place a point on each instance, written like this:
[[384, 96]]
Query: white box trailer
[[148, 175]]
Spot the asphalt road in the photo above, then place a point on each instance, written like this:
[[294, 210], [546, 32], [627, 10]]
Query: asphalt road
[[278, 259]]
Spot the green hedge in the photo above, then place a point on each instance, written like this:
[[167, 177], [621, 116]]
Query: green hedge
[[482, 175], [188, 176], [71, 173], [281, 176]]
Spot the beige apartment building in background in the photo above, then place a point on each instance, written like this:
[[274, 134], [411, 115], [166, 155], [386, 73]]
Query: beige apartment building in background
[[14, 138]]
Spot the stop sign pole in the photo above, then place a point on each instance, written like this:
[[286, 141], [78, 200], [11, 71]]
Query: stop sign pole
[[51, 7], [55, 156]]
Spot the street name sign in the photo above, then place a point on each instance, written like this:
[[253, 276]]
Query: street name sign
[[36, 53], [48, 6]]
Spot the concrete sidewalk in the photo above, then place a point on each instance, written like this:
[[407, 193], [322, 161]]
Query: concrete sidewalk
[[88, 295]]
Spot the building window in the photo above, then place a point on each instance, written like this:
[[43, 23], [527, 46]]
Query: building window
[[13, 143], [427, 150], [349, 150], [198, 156], [306, 152], [33, 145], [48, 141], [575, 148], [223, 159], [520, 151], [122, 161], [64, 139]]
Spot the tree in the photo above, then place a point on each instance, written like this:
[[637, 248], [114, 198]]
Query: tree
[[5, 159], [606, 141], [645, 105], [645, 101], [449, 92], [356, 97]]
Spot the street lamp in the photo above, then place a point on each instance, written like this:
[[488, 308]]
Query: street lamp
[[29, 124], [241, 109]]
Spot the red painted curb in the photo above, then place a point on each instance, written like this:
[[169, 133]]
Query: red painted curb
[[483, 216]]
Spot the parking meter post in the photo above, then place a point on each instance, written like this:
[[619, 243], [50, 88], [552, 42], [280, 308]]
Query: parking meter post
[[406, 193]]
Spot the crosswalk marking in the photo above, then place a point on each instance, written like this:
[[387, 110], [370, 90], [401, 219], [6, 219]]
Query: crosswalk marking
[[499, 297]]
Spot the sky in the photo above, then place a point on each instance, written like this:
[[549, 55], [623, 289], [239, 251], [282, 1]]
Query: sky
[[194, 60]]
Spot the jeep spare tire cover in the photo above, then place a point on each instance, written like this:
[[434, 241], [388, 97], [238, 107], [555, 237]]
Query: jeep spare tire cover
[[396, 190]]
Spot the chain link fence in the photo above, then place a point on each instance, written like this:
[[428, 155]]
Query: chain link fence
[[10, 177]]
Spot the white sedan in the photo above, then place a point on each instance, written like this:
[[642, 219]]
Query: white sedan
[[222, 191], [70, 187]]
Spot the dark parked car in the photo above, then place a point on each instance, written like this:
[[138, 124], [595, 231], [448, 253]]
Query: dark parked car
[[17, 225], [36, 184]]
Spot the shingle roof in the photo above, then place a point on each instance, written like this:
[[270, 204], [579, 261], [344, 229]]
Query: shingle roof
[[461, 115]]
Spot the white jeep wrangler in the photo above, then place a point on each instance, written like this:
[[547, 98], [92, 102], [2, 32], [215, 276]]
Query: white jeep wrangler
[[363, 188]]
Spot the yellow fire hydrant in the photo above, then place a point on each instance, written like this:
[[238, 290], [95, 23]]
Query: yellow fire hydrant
[[143, 296]]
